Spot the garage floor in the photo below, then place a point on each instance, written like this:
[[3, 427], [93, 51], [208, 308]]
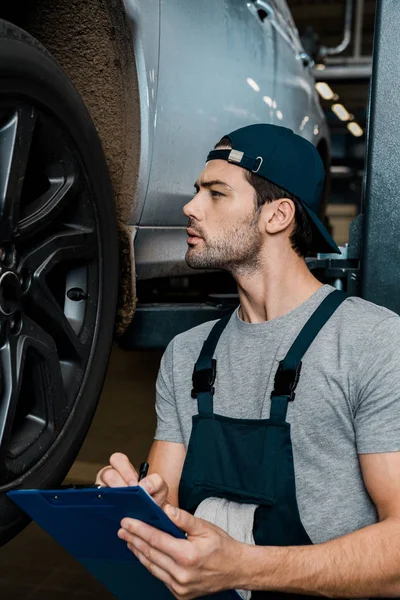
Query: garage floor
[[33, 566]]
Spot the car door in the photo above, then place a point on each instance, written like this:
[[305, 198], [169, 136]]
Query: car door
[[294, 78], [216, 69]]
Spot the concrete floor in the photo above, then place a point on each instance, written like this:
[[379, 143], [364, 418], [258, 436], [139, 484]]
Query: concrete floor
[[33, 566]]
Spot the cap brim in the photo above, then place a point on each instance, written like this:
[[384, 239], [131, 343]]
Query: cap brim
[[322, 241]]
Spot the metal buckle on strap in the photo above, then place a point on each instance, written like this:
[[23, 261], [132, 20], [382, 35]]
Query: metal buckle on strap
[[204, 379], [235, 156], [286, 381], [260, 158]]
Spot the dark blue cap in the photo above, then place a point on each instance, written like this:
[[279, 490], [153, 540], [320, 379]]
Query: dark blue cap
[[287, 160]]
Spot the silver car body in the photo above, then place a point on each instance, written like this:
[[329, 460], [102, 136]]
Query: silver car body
[[207, 67]]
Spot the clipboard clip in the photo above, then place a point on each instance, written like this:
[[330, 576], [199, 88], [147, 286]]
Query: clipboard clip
[[79, 486]]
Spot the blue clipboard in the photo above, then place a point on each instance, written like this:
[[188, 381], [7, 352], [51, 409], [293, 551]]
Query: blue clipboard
[[86, 521]]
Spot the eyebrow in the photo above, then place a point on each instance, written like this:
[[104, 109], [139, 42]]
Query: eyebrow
[[208, 184]]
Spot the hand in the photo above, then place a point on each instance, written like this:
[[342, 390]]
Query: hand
[[121, 473], [208, 561]]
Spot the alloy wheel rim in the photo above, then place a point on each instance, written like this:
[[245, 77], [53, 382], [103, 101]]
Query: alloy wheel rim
[[49, 282]]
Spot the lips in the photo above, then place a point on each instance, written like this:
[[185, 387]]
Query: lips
[[192, 233]]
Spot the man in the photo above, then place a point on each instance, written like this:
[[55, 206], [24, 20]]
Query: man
[[310, 508]]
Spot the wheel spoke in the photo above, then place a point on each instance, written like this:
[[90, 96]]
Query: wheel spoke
[[33, 424], [64, 185], [41, 305], [45, 309], [11, 383], [35, 337], [15, 143], [69, 244]]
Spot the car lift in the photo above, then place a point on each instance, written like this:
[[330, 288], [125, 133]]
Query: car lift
[[380, 255], [370, 265]]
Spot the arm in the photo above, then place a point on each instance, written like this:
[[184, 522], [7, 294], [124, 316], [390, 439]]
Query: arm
[[359, 565], [162, 482], [166, 459], [362, 564], [167, 453]]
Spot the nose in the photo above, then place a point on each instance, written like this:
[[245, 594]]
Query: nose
[[191, 210]]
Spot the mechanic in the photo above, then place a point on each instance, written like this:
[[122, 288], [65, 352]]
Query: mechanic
[[292, 458]]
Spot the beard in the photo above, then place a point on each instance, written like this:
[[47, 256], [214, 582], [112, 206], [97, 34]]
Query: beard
[[236, 249]]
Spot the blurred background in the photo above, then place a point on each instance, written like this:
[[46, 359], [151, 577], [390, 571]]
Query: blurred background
[[340, 37]]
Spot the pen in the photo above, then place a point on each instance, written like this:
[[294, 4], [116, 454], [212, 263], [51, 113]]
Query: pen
[[144, 467]]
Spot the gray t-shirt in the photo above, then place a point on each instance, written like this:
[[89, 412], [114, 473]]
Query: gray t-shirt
[[347, 400]]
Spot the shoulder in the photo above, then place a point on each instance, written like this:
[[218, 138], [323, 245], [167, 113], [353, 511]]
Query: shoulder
[[195, 337], [185, 347], [200, 332], [367, 330], [362, 313]]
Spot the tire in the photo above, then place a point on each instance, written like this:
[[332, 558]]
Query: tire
[[58, 271]]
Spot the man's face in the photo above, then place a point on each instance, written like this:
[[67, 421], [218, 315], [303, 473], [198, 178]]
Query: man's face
[[223, 224]]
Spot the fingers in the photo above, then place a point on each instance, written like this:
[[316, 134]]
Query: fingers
[[109, 477], [188, 523], [136, 545], [121, 464], [173, 574], [179, 550], [155, 485], [100, 474], [153, 568], [119, 473]]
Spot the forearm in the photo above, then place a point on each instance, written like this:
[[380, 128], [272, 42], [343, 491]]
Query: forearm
[[166, 459], [362, 564]]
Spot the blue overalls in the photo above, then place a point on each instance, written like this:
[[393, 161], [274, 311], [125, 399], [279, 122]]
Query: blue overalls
[[251, 460]]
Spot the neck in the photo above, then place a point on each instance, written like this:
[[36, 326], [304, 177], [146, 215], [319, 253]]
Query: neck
[[280, 285]]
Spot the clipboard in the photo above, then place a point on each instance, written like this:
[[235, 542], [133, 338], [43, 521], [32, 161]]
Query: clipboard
[[86, 521]]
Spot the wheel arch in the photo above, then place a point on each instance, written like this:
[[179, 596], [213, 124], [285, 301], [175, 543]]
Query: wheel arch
[[92, 41]]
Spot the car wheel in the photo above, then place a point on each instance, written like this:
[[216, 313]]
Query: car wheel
[[58, 270]]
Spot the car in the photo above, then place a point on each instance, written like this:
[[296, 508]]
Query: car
[[107, 112]]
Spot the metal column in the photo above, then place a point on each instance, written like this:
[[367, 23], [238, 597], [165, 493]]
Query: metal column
[[380, 259], [358, 29]]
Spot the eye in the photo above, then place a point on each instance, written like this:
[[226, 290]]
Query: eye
[[216, 194]]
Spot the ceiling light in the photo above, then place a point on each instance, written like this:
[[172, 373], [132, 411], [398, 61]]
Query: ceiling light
[[274, 104], [340, 169], [279, 115], [253, 84], [320, 67], [304, 123], [341, 112], [324, 90], [267, 100], [355, 129]]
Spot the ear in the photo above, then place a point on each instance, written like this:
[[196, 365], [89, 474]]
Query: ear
[[279, 215]]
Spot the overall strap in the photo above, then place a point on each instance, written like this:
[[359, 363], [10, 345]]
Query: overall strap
[[205, 369], [288, 373]]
